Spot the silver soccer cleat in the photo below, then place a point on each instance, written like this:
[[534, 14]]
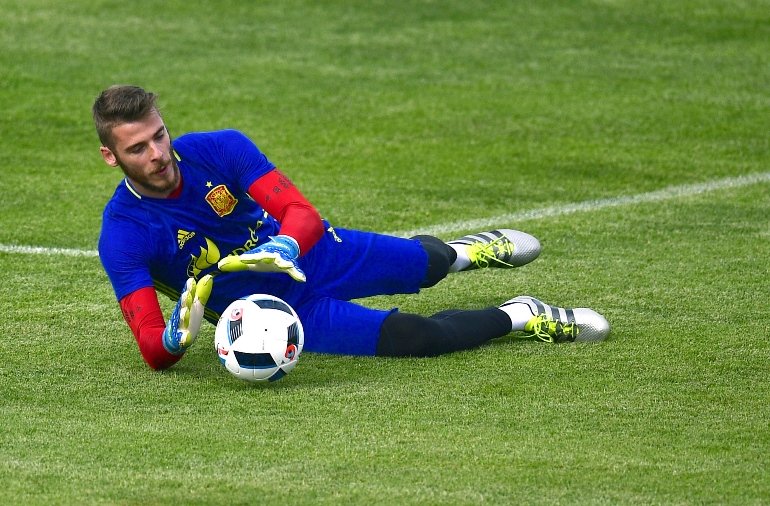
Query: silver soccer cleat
[[499, 248], [558, 324]]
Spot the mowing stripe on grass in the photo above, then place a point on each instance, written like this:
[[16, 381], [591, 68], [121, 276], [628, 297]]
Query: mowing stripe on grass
[[669, 193]]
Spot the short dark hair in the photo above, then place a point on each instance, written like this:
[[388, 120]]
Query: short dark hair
[[120, 104]]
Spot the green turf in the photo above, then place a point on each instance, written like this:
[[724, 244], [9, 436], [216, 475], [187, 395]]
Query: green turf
[[397, 116]]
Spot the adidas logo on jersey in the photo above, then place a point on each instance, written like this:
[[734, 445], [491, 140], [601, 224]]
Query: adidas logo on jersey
[[182, 236]]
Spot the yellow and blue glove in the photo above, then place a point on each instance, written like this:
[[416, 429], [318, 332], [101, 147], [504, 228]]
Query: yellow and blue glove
[[279, 254], [185, 322]]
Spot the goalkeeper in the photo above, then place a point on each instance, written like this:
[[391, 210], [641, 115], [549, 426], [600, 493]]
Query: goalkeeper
[[206, 218]]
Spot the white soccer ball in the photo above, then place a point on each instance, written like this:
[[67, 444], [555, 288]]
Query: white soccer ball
[[259, 338]]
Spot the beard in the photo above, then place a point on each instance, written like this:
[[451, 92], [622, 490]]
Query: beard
[[155, 182]]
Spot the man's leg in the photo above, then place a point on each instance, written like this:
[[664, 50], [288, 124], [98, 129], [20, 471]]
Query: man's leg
[[342, 327], [410, 335], [347, 328], [496, 248], [355, 264]]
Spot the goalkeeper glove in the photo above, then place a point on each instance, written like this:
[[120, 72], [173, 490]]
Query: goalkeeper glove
[[279, 254], [185, 322]]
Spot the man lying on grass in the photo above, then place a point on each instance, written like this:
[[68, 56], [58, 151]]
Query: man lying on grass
[[211, 204]]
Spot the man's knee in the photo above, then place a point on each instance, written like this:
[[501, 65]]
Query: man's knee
[[440, 257], [408, 335]]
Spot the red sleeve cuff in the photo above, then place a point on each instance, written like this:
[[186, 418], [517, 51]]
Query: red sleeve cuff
[[145, 318]]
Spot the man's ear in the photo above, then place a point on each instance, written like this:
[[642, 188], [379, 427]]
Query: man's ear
[[109, 156]]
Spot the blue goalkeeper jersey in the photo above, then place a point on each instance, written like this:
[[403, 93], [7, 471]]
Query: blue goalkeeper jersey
[[161, 242]]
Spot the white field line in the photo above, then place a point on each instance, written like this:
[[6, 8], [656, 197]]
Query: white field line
[[36, 250], [668, 193], [502, 220]]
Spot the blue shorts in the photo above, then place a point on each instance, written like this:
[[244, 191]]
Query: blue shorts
[[360, 265], [343, 265]]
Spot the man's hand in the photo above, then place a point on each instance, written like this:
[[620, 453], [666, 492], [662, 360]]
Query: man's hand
[[185, 322], [279, 254]]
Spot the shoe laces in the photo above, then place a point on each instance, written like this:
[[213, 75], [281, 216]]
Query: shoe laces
[[482, 253], [551, 330]]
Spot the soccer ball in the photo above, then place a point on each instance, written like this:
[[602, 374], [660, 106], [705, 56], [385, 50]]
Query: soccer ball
[[259, 338]]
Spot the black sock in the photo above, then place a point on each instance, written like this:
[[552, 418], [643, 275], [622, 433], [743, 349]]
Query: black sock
[[410, 335]]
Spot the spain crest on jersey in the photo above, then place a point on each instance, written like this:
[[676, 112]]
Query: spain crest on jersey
[[221, 200]]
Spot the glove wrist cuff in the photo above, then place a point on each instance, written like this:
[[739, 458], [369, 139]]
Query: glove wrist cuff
[[168, 346], [286, 240]]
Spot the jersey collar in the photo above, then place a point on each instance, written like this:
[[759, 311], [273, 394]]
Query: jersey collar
[[131, 189]]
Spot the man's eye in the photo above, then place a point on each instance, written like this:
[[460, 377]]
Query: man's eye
[[136, 150]]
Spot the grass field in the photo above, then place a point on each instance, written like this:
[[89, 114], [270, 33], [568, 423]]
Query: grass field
[[630, 137]]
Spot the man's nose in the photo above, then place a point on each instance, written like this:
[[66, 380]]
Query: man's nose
[[155, 150]]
